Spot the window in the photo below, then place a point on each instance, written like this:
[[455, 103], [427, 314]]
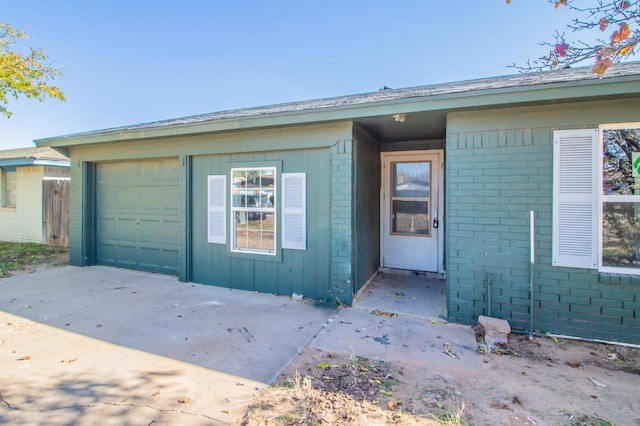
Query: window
[[8, 195], [596, 208], [253, 212], [621, 198]]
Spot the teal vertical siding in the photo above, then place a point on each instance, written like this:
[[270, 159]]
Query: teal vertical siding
[[295, 271], [367, 207], [305, 148], [76, 213], [498, 168], [184, 238]]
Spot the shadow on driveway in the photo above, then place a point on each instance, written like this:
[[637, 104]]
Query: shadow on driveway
[[246, 334]]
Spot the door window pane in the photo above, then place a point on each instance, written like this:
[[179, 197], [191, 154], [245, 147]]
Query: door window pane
[[410, 217], [411, 180], [410, 198]]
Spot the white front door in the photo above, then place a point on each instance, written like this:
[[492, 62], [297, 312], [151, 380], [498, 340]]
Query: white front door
[[411, 210]]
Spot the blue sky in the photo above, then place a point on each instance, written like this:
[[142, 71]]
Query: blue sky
[[127, 62]]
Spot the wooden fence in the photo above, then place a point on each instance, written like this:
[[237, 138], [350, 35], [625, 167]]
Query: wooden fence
[[55, 211]]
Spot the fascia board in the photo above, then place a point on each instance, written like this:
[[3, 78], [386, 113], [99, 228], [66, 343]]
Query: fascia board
[[52, 163], [26, 162]]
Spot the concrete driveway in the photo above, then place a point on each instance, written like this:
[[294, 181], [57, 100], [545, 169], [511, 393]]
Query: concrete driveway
[[55, 325], [101, 345]]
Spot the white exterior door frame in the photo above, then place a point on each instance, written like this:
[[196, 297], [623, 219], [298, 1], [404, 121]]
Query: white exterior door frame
[[423, 251]]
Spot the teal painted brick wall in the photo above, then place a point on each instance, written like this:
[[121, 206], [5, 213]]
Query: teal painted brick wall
[[341, 222], [75, 215], [495, 175]]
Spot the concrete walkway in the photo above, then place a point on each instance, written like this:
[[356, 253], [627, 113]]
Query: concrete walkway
[[102, 345]]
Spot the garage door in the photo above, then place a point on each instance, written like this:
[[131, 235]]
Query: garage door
[[137, 215]]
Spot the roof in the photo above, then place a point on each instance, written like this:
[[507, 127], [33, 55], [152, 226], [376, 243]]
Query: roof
[[31, 156], [518, 83]]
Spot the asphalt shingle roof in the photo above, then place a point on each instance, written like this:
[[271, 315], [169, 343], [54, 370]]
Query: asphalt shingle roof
[[32, 153], [484, 84]]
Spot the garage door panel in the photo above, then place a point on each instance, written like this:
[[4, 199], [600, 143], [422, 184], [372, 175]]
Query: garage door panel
[[159, 230], [125, 198], [137, 208], [107, 225], [157, 258], [169, 200], [107, 253], [126, 229], [156, 172], [158, 198]]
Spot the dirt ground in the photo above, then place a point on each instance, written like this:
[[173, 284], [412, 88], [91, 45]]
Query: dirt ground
[[545, 381], [57, 258]]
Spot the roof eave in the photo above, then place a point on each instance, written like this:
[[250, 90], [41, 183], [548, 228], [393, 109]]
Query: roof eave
[[559, 91], [26, 162]]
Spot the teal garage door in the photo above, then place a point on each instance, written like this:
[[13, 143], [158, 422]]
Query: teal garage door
[[137, 212]]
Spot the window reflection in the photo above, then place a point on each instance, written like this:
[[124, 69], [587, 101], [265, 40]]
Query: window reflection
[[253, 207], [410, 193], [620, 159], [621, 235]]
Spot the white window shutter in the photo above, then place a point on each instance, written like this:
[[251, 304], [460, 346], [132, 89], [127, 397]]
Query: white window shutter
[[575, 198], [217, 209], [294, 214]]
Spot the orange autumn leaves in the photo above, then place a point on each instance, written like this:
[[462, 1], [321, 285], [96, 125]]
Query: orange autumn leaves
[[621, 43], [617, 47], [620, 35]]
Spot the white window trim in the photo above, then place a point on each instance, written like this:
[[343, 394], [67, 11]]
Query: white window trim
[[602, 198], [273, 210]]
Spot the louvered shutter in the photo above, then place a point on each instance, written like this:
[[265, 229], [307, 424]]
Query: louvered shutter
[[575, 198], [294, 217], [217, 209]]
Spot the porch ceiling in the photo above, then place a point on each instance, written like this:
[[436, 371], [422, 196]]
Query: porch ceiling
[[422, 125]]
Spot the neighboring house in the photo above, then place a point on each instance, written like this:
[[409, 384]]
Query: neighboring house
[[34, 196], [314, 197]]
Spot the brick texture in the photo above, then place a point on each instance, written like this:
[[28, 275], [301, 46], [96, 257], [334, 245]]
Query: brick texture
[[494, 178], [341, 222]]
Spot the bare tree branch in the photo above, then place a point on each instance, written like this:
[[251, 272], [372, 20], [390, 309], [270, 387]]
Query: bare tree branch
[[618, 20]]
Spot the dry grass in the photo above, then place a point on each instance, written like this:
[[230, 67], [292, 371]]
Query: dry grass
[[18, 256], [356, 392]]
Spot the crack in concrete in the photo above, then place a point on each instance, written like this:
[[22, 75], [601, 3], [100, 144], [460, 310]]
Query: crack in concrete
[[5, 401], [11, 407], [164, 410], [113, 404]]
